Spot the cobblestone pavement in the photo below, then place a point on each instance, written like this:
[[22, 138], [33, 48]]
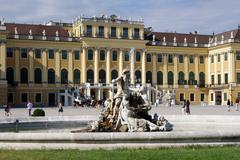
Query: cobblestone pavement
[[162, 110]]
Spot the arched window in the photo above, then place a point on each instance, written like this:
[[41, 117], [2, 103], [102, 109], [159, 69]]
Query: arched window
[[149, 77], [159, 78], [24, 75], [90, 76], [191, 78], [114, 74], [102, 76], [138, 56], [138, 76], [76, 76], [38, 75], [10, 75], [170, 78], [64, 76], [90, 54], [102, 55], [201, 79], [51, 76], [181, 78]]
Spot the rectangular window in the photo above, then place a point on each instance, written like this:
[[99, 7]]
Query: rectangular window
[[225, 96], [180, 58], [238, 55], [225, 56], [24, 97], [125, 32], [136, 33], [219, 79], [37, 53], [24, 52], [219, 57], [201, 60], [181, 97], [50, 54], [212, 79], [89, 30], [211, 96], [202, 97], [101, 31], [76, 55], [64, 54], [114, 55], [226, 78], [191, 59], [149, 58], [170, 58], [10, 98], [38, 98], [126, 56], [212, 59], [9, 52], [191, 97], [138, 56], [102, 55], [113, 32], [159, 58], [238, 78]]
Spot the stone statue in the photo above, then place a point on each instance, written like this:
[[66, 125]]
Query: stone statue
[[69, 34], [174, 40], [2, 21], [30, 32], [128, 110], [44, 33], [57, 34], [153, 38], [15, 31], [231, 35], [164, 39], [195, 40], [185, 40]]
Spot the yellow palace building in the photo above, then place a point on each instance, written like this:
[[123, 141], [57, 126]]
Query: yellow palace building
[[44, 63]]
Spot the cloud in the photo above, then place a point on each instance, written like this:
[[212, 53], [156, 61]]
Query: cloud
[[205, 16]]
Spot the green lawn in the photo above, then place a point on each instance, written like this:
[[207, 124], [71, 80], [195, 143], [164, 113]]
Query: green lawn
[[196, 153]]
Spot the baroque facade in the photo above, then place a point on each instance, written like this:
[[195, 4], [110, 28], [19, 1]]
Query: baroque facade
[[39, 62]]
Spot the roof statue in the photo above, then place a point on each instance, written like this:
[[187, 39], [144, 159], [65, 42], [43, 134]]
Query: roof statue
[[44, 32], [30, 32], [15, 31], [185, 40], [57, 34]]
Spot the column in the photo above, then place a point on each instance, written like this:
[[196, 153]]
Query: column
[[144, 67], [233, 67], [130, 33], [3, 60], [132, 67], [83, 62], [120, 62], [106, 33], [222, 69], [17, 66], [186, 69], [70, 66], [196, 62], [31, 69], [96, 66], [209, 69], [108, 70], [45, 66], [58, 68], [165, 83], [154, 73], [215, 69], [175, 62], [94, 32]]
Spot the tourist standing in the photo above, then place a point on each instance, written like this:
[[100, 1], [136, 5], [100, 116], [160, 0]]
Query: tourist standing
[[188, 107], [184, 107], [60, 108], [169, 102], [29, 107], [228, 105], [237, 104], [7, 110]]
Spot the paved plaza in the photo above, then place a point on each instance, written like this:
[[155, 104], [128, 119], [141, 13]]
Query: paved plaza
[[161, 110]]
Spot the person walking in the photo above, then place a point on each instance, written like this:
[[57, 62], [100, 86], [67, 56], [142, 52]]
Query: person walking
[[228, 105], [60, 109], [7, 110], [188, 107], [237, 103], [29, 107]]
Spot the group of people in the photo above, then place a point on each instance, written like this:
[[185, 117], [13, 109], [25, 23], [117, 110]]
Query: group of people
[[237, 104], [186, 107]]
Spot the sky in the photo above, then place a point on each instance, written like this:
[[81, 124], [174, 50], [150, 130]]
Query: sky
[[182, 16]]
